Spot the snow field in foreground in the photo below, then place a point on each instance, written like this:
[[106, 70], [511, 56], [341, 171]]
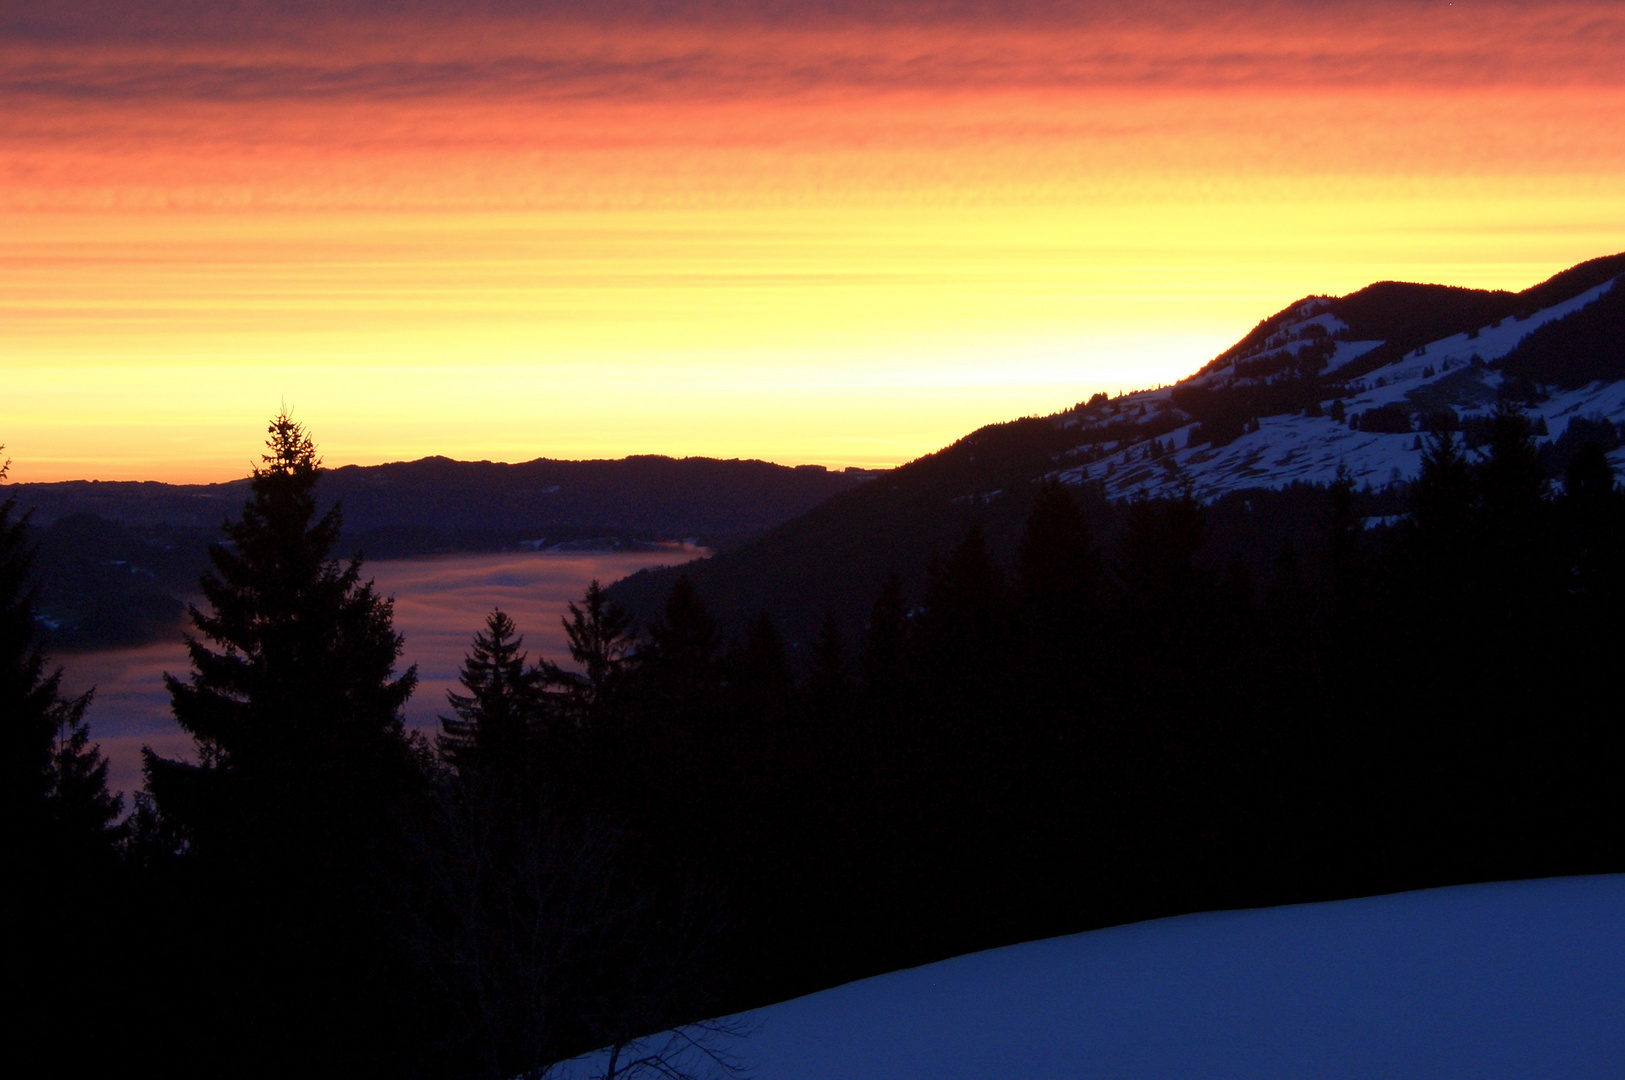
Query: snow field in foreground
[[1519, 979]]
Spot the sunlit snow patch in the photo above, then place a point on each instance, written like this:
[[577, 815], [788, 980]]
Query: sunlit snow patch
[[1284, 449]]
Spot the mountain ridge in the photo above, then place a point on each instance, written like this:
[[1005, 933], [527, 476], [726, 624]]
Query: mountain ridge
[[116, 557], [1252, 433]]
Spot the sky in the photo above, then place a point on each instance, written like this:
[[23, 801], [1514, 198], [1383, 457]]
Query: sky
[[836, 233]]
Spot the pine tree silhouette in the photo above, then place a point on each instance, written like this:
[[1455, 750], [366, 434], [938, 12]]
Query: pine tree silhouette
[[496, 722], [885, 641], [962, 622], [1058, 569], [680, 655], [56, 781], [303, 771], [299, 689], [829, 679], [600, 637], [63, 915]]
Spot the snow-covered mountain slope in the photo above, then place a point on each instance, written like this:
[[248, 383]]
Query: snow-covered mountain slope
[[1395, 358], [1288, 391], [1514, 980]]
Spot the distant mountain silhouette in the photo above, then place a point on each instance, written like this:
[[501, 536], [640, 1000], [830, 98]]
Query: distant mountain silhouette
[[116, 555], [647, 496]]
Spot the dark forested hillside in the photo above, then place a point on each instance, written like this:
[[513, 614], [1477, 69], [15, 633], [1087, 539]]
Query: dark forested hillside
[[1125, 719], [835, 557], [1587, 346], [1405, 316], [831, 560]]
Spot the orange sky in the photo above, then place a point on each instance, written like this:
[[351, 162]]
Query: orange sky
[[769, 230]]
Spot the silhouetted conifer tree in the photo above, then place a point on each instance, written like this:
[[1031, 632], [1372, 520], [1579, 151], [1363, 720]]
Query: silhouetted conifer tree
[[1441, 501], [29, 696], [1513, 481], [1159, 556], [496, 724], [1594, 511], [1344, 569], [63, 917], [298, 698], [674, 723], [1058, 574], [1524, 569], [302, 769], [600, 636], [885, 642], [829, 679], [962, 620], [56, 782], [760, 668], [680, 655]]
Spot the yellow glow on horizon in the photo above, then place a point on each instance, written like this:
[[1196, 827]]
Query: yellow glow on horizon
[[155, 354], [746, 259]]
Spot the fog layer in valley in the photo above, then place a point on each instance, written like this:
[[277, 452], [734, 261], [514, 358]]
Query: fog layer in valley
[[439, 604]]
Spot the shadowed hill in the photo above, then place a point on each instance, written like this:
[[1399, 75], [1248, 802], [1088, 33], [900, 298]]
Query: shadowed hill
[[1587, 346], [836, 555], [119, 554], [648, 497]]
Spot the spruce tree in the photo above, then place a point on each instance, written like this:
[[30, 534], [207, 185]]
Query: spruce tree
[[1344, 562], [1442, 498], [1057, 566], [63, 917], [56, 780], [1513, 479], [496, 722], [28, 693], [599, 634], [303, 777], [1058, 591], [1593, 510], [962, 622], [756, 735], [1524, 572], [759, 668], [293, 700], [1439, 573], [882, 664], [1059, 588], [828, 679], [680, 657], [676, 713]]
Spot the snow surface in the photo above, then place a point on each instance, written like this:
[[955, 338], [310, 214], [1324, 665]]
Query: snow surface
[[1519, 979], [1311, 449]]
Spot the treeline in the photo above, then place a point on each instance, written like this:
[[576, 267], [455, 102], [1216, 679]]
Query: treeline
[[681, 827]]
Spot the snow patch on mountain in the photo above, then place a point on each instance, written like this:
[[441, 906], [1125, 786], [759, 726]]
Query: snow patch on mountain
[[1348, 350], [1280, 450], [1498, 339]]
